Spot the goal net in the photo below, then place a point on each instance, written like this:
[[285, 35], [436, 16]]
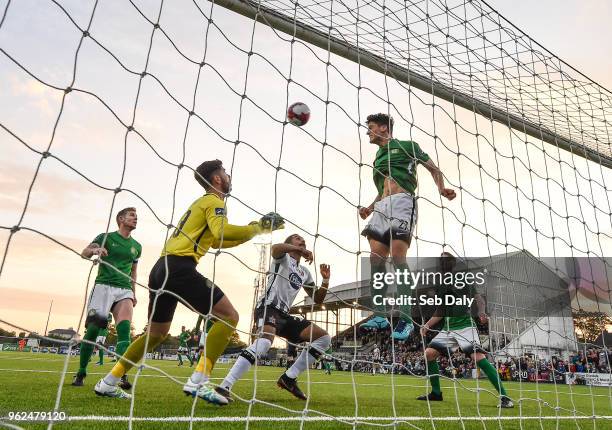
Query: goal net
[[111, 104]]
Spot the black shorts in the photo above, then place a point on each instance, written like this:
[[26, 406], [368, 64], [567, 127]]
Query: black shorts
[[287, 326], [186, 282]]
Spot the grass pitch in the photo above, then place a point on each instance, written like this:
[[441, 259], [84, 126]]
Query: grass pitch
[[30, 382]]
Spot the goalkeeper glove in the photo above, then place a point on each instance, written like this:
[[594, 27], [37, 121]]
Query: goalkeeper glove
[[270, 222]]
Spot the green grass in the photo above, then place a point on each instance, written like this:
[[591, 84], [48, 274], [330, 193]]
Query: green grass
[[29, 382]]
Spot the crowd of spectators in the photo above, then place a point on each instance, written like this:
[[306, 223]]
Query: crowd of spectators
[[408, 358]]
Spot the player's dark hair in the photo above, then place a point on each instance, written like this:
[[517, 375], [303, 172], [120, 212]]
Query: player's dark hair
[[124, 212], [290, 238], [381, 119], [205, 171]]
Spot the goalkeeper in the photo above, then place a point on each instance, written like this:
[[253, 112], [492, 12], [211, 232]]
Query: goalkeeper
[[458, 332], [175, 277]]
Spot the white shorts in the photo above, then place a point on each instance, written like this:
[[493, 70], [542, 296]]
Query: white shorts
[[183, 350], [394, 217], [102, 299], [100, 340], [465, 339]]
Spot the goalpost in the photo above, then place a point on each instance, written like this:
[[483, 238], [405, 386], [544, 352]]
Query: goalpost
[[521, 135]]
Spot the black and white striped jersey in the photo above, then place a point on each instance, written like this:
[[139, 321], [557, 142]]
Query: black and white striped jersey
[[285, 280]]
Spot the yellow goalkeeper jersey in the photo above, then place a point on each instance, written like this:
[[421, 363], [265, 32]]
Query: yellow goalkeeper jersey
[[205, 225]]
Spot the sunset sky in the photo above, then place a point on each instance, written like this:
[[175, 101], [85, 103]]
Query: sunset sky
[[72, 210]]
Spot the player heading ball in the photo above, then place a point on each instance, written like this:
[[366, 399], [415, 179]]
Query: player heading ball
[[394, 211]]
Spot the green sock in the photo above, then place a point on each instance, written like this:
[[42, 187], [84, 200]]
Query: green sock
[[404, 290], [123, 337], [492, 374], [87, 348], [101, 355], [180, 359], [377, 272], [434, 376]]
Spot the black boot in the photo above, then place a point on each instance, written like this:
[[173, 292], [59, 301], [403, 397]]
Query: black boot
[[289, 384], [432, 397]]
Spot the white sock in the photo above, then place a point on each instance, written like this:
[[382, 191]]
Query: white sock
[[197, 378], [259, 348], [111, 379], [306, 359]]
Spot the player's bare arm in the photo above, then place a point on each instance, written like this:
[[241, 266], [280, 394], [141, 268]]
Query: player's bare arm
[[366, 212], [429, 324], [482, 306], [318, 294], [280, 249], [437, 316], [94, 249], [438, 178]]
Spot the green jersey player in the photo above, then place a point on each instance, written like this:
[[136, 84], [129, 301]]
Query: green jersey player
[[394, 213], [183, 348], [113, 290], [458, 332]]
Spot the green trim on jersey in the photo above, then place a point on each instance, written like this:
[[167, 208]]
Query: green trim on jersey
[[183, 339], [398, 160], [122, 254]]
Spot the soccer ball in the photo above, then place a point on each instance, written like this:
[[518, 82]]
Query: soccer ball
[[298, 114]]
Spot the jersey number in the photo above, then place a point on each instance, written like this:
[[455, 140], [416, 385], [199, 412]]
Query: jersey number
[[181, 224]]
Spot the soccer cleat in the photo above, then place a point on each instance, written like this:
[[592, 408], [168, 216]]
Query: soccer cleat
[[225, 393], [125, 384], [78, 380], [207, 393], [402, 330], [106, 390], [289, 384], [505, 403], [374, 324], [190, 388], [432, 397]]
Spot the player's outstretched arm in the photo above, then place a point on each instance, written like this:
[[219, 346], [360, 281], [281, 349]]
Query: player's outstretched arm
[[223, 231], [219, 244], [438, 178]]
